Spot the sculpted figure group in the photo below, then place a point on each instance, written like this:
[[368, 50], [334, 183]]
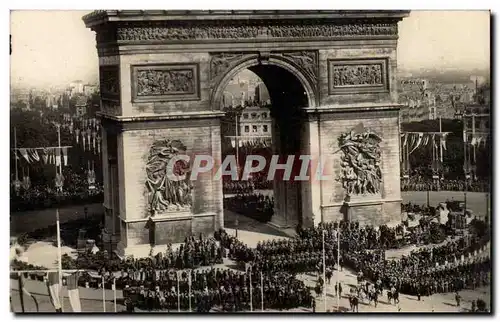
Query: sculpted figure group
[[360, 162]]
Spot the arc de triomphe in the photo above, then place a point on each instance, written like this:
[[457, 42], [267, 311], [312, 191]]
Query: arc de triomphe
[[331, 76]]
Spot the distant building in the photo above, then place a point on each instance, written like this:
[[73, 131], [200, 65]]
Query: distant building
[[81, 106], [77, 87], [477, 116], [255, 121], [419, 102], [88, 89]]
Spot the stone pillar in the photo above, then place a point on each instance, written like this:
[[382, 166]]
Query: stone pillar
[[311, 189]]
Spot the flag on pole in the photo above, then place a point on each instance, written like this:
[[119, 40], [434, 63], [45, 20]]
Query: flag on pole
[[73, 292], [93, 140], [58, 157], [405, 139], [34, 155], [420, 137], [54, 288], [425, 140], [24, 153], [23, 290], [65, 156], [88, 138], [443, 140]]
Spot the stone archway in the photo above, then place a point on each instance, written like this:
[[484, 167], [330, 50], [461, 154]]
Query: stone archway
[[290, 91], [162, 74]]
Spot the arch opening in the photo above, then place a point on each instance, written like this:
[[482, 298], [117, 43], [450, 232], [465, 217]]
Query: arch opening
[[284, 105]]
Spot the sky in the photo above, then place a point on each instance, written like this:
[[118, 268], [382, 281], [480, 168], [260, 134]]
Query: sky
[[53, 48]]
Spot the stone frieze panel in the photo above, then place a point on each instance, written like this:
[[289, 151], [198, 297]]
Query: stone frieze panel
[[353, 76], [165, 82]]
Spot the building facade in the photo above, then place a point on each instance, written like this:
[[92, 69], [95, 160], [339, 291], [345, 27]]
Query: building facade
[[331, 76]]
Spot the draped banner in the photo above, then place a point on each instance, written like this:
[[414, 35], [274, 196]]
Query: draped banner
[[73, 292], [24, 291], [54, 289], [414, 140], [65, 155]]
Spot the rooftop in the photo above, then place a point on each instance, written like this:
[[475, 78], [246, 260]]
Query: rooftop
[[102, 16]]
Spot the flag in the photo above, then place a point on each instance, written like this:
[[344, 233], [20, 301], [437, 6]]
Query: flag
[[73, 292], [58, 157], [443, 140], [405, 139], [65, 155], [93, 140], [24, 153], [425, 140], [23, 290], [34, 154], [52, 156], [54, 289], [420, 136]]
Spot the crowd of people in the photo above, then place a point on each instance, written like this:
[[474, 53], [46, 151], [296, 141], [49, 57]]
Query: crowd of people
[[428, 184], [75, 192], [257, 182], [256, 206], [191, 254], [362, 250], [223, 289]]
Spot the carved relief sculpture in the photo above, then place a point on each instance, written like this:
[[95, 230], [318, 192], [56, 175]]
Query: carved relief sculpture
[[307, 61], [357, 76], [165, 82], [221, 62], [360, 161], [109, 80], [165, 193], [241, 31]]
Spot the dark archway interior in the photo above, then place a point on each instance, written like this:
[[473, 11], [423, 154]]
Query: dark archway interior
[[288, 98]]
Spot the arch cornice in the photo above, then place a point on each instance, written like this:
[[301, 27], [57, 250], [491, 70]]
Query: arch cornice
[[225, 66]]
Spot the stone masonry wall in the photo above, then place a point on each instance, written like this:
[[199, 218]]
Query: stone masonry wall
[[332, 125]]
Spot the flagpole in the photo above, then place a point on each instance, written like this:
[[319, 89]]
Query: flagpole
[[261, 292], [440, 142], [15, 153], [474, 139], [21, 293], [114, 292], [103, 295], [237, 143], [251, 302], [178, 293], [59, 147], [338, 267], [189, 285], [59, 256], [324, 271]]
